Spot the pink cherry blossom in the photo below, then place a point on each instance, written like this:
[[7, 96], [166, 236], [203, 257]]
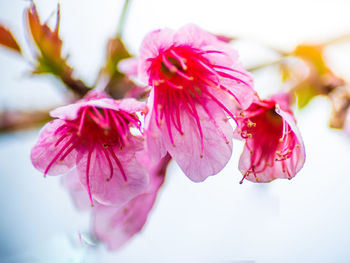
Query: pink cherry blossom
[[94, 135], [197, 81], [274, 147]]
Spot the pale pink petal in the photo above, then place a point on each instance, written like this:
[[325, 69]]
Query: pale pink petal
[[217, 143], [71, 111], [157, 40], [154, 137], [116, 226], [50, 147], [243, 91], [194, 36], [78, 193], [300, 149], [115, 191], [129, 66], [68, 112]]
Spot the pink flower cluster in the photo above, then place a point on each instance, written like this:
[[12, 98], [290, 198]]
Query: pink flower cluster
[[197, 85]]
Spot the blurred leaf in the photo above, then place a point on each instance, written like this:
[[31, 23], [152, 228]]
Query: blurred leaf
[[118, 84], [304, 95], [314, 55], [49, 45], [319, 80], [340, 101], [116, 51], [7, 39]]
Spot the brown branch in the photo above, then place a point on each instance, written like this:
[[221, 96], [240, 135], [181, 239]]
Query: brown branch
[[14, 120]]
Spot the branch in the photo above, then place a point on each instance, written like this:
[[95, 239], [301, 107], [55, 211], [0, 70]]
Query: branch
[[15, 120]]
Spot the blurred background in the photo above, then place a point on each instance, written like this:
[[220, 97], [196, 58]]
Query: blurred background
[[302, 220]]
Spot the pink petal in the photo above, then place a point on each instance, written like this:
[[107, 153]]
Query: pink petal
[[116, 191], [157, 40], [45, 150], [187, 150], [244, 92], [71, 111], [129, 66], [154, 137], [72, 183], [194, 36], [116, 226], [300, 157]]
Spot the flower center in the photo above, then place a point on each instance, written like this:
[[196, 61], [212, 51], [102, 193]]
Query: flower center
[[98, 130], [183, 78]]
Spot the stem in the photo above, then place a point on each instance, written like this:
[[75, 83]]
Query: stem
[[338, 40], [270, 63], [122, 19]]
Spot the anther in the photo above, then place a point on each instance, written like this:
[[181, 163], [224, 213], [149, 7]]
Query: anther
[[251, 124]]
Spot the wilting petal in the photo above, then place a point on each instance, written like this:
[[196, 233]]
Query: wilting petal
[[112, 175], [51, 146]]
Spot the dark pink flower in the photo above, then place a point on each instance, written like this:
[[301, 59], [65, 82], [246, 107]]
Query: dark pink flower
[[274, 147], [94, 135], [197, 82]]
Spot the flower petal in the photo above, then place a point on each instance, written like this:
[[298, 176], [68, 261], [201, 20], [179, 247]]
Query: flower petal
[[115, 191], [72, 183], [154, 141], [50, 147], [217, 150], [157, 40], [116, 226]]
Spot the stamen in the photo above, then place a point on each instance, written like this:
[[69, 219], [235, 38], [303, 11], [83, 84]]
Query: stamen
[[118, 163], [88, 176], [58, 155], [82, 120], [196, 117], [168, 64], [231, 69], [180, 59], [105, 151], [228, 76]]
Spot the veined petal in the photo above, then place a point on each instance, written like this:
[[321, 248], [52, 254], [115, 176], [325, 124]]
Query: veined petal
[[154, 137], [194, 36], [78, 193], [71, 111], [152, 43], [115, 226], [112, 175], [217, 143], [51, 146], [299, 155]]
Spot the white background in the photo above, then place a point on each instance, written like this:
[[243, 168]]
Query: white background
[[302, 220]]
